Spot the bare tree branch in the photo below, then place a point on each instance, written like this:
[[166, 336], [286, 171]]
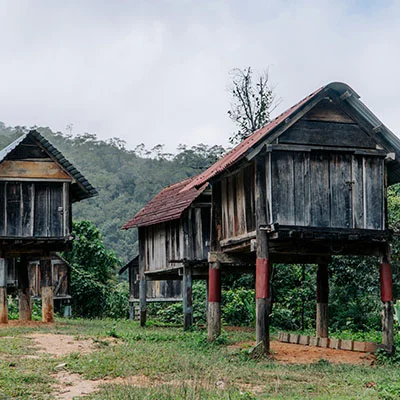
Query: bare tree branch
[[252, 104]]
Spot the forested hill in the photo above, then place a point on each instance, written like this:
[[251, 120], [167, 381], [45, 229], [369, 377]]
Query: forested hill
[[125, 179]]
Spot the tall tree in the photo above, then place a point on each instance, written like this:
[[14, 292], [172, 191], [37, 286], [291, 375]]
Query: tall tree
[[252, 102]]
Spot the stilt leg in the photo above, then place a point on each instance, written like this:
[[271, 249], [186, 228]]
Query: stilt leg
[[46, 284], [3, 292], [263, 302], [322, 301], [387, 300], [214, 301], [187, 298], [24, 304]]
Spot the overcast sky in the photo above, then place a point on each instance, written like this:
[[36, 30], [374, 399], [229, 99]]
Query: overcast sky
[[157, 71]]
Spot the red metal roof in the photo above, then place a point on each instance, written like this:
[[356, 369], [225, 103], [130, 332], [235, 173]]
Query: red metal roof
[[242, 148], [168, 205]]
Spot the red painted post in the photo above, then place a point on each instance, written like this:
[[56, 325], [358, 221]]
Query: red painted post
[[262, 278], [3, 292], [387, 300], [214, 301], [386, 282], [263, 302]]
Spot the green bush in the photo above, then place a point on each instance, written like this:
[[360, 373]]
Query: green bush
[[238, 307], [117, 302], [13, 312]]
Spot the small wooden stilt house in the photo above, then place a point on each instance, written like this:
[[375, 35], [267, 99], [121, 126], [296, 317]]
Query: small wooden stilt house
[[174, 234], [37, 188], [308, 185]]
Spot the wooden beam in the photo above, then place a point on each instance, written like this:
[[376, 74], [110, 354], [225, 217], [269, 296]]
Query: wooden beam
[[322, 301], [46, 284], [238, 239], [24, 297], [3, 292], [230, 258], [187, 298]]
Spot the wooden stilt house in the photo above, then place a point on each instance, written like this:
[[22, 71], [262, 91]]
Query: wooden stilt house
[[37, 188], [174, 234], [308, 185]]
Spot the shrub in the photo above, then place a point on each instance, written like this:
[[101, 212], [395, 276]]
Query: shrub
[[238, 307]]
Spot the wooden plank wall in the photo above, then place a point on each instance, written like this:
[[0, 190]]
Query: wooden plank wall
[[332, 190], [237, 192], [178, 240], [33, 209]]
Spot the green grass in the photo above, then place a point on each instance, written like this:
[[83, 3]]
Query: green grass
[[179, 365]]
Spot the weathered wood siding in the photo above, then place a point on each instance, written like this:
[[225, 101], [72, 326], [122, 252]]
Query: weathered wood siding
[[36, 209], [168, 244], [237, 203], [156, 290], [330, 190]]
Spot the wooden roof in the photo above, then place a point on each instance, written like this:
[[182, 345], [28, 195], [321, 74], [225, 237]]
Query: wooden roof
[[253, 144], [168, 205], [80, 187]]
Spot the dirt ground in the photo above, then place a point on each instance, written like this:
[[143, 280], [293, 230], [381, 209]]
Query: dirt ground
[[69, 385]]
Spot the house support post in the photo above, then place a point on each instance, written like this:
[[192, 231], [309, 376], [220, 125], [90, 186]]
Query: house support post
[[187, 298], [214, 300], [24, 303], [142, 279], [3, 292], [131, 311], [263, 302], [263, 265], [46, 285], [387, 300], [322, 301], [142, 300]]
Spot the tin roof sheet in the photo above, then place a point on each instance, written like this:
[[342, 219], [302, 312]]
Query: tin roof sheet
[[168, 205]]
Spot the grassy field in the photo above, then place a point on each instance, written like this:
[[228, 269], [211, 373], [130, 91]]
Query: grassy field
[[167, 363]]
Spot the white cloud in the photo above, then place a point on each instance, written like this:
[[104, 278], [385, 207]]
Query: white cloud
[[158, 72]]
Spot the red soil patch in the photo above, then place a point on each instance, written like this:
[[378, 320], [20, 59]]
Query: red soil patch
[[287, 353]]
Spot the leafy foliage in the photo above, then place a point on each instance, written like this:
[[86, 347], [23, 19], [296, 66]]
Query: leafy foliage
[[93, 270]]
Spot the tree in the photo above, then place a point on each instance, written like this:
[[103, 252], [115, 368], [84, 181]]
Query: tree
[[93, 268], [252, 104]]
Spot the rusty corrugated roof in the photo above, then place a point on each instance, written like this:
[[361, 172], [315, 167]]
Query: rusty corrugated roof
[[168, 205]]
